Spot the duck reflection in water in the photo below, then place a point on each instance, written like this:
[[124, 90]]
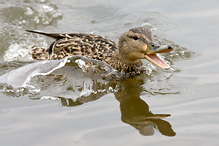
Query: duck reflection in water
[[134, 110]]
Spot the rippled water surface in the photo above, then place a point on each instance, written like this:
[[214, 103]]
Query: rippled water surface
[[66, 102]]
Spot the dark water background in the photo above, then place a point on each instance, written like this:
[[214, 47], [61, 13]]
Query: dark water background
[[64, 103]]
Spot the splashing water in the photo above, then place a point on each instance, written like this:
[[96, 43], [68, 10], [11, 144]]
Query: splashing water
[[21, 50], [27, 76], [21, 15]]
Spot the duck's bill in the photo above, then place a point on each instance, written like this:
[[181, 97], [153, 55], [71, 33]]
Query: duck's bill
[[153, 58], [157, 116]]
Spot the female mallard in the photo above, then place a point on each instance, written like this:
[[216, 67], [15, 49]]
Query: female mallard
[[134, 45]]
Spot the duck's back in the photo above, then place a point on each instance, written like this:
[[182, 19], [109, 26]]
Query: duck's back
[[70, 44]]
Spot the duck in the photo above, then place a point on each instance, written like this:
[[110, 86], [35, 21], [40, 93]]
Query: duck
[[133, 46]]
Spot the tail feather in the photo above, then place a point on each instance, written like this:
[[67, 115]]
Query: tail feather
[[52, 35]]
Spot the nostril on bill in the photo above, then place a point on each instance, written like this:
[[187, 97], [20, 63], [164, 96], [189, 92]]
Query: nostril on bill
[[169, 47]]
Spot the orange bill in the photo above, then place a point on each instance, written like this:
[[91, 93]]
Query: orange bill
[[153, 58]]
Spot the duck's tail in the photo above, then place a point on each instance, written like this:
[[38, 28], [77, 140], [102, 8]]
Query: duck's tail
[[52, 35]]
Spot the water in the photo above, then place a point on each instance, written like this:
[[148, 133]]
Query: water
[[67, 102]]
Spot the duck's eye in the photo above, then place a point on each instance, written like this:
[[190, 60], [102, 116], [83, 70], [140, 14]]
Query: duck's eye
[[135, 37]]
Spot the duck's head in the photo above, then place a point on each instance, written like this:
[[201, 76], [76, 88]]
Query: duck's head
[[138, 44]]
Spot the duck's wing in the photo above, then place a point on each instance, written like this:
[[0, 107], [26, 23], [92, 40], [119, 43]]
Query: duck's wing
[[91, 46], [69, 44]]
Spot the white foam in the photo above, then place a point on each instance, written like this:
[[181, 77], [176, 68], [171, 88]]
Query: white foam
[[17, 52]]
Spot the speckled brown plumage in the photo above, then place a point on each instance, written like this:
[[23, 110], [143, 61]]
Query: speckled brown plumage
[[133, 45]]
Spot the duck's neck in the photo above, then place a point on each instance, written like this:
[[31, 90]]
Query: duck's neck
[[120, 64]]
